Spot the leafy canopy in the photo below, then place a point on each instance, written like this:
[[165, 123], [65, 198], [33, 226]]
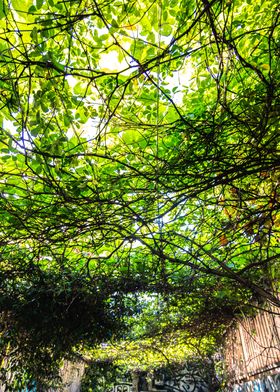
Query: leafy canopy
[[139, 153]]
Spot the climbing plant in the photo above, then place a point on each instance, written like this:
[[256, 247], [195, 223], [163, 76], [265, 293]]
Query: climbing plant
[[139, 156]]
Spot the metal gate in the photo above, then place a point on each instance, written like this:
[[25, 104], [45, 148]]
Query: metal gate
[[123, 388]]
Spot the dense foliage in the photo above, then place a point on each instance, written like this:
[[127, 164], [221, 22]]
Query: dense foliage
[[139, 153], [102, 376]]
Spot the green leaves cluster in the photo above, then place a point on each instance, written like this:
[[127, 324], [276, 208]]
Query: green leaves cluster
[[139, 152]]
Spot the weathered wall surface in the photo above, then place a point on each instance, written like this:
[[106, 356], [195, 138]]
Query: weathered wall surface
[[267, 384], [71, 374], [195, 377]]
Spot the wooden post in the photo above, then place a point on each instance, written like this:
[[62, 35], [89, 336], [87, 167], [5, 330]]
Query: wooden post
[[244, 349]]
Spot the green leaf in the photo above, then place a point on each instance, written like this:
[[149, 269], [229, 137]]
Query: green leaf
[[6, 86], [114, 23], [166, 30], [39, 4], [3, 10], [31, 10], [34, 34]]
